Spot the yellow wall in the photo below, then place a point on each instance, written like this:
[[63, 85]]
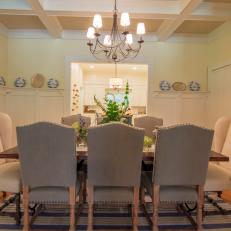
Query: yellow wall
[[171, 61], [219, 81], [219, 48], [3, 55]]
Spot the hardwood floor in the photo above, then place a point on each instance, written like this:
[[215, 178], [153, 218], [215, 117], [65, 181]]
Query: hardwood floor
[[226, 196]]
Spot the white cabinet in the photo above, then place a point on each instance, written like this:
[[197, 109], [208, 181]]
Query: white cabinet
[[184, 107], [26, 106], [20, 105], [50, 106]]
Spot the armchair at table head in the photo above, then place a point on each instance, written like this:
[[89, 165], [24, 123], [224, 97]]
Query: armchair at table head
[[219, 175], [220, 132], [10, 177], [6, 131]]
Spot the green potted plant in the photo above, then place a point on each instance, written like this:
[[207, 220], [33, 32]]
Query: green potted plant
[[114, 111]]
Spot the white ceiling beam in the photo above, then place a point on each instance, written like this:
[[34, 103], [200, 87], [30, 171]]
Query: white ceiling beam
[[131, 6], [16, 12], [208, 18], [169, 26], [193, 17], [51, 23], [109, 14]]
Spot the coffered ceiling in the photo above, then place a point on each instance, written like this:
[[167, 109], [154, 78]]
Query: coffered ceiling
[[163, 18]]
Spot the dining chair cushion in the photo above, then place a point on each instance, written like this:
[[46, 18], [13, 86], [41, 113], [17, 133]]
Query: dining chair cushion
[[218, 178], [10, 177], [51, 194], [170, 193], [115, 194]]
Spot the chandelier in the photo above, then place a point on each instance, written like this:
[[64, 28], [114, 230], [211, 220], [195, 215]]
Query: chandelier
[[116, 46], [115, 82]]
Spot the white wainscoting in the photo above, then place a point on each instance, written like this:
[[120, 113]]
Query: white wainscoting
[[180, 107], [27, 106]]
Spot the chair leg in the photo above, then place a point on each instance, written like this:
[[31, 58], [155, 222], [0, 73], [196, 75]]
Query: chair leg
[[135, 209], [26, 208], [155, 201], [85, 190], [72, 199], [18, 214], [200, 204], [142, 195], [90, 195]]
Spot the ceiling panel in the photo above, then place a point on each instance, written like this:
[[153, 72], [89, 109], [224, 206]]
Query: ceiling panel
[[197, 27], [21, 22], [82, 23]]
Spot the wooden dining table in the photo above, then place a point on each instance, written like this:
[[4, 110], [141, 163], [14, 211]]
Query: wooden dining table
[[82, 153]]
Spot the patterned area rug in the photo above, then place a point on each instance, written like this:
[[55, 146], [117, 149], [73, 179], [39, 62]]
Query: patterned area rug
[[109, 218]]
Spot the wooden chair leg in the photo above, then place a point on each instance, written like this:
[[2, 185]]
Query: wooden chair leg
[[85, 190], [26, 208], [142, 195], [18, 209], [200, 203], [90, 194], [135, 209], [155, 201], [72, 199]]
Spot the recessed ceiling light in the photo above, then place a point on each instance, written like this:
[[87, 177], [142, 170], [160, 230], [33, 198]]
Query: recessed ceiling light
[[134, 68], [92, 66]]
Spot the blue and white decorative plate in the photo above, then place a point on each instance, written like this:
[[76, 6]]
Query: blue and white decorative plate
[[194, 86], [2, 81], [20, 82], [53, 83], [165, 85]]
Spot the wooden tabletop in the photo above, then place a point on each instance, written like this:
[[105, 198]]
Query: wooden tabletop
[[81, 153]]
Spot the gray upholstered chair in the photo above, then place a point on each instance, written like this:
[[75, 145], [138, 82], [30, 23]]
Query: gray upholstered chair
[[47, 155], [114, 166], [10, 178], [180, 168], [69, 120], [149, 123]]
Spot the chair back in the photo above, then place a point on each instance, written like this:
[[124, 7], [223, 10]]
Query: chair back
[[149, 123], [69, 120], [47, 154], [114, 155], [182, 155], [220, 133], [6, 131]]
